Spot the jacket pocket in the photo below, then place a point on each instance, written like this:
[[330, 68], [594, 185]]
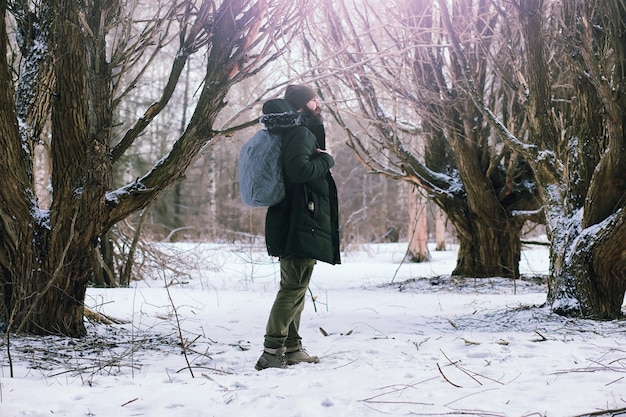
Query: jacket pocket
[[312, 202]]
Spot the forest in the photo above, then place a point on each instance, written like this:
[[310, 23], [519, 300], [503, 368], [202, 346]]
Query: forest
[[485, 121]]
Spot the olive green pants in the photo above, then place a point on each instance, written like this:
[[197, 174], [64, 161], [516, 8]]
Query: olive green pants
[[284, 321]]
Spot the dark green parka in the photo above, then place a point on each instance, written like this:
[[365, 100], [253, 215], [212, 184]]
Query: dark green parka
[[306, 222]]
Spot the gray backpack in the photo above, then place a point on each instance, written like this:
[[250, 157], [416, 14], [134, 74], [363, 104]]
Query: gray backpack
[[260, 170]]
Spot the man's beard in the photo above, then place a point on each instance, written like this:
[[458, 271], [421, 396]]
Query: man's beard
[[313, 116]]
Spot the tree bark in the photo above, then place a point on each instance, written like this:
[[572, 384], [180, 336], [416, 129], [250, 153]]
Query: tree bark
[[588, 271], [418, 233], [488, 246], [440, 230]]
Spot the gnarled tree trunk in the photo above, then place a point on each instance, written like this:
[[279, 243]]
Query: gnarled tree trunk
[[586, 203], [410, 118], [47, 253]]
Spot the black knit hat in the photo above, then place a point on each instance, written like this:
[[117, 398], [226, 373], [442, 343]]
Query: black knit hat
[[299, 95]]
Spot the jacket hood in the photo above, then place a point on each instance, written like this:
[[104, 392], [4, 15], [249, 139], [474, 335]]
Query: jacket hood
[[278, 114]]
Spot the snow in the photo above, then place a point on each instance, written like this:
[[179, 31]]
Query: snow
[[402, 339]]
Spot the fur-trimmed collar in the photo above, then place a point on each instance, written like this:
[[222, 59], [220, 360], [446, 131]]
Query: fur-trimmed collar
[[279, 121]]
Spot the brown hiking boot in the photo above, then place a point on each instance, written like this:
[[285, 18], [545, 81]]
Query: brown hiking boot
[[272, 358], [297, 354]]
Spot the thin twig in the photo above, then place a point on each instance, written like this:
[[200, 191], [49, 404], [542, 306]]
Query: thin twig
[[180, 331], [313, 300], [9, 350], [390, 389], [471, 374], [614, 412], [469, 395], [543, 338], [446, 378], [456, 365], [130, 401], [221, 371]]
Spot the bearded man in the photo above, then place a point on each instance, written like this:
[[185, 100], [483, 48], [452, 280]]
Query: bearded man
[[304, 227]]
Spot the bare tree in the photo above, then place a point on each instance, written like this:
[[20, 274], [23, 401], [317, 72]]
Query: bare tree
[[584, 184], [399, 95], [67, 59], [572, 80]]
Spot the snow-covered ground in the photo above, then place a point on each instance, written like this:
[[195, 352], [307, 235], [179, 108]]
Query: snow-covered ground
[[394, 339]]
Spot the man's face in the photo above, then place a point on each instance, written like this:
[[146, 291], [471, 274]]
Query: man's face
[[314, 106]]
